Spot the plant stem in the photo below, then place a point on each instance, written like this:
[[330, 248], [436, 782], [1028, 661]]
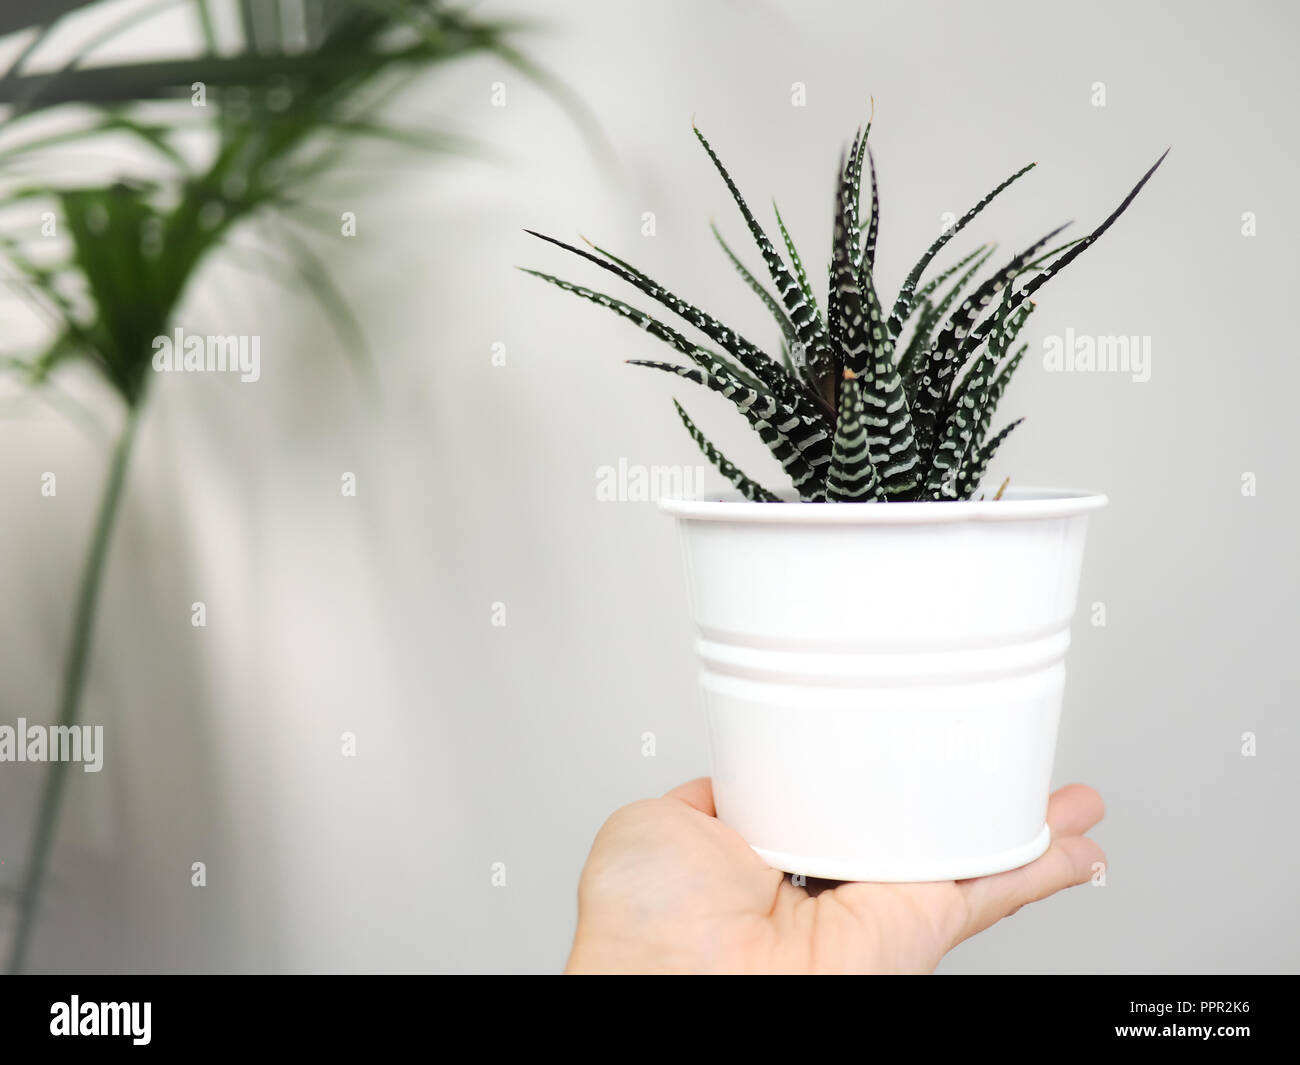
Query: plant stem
[[74, 675]]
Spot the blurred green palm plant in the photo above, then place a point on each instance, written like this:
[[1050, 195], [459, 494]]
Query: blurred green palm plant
[[272, 111]]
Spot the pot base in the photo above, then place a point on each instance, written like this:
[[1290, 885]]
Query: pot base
[[905, 873]]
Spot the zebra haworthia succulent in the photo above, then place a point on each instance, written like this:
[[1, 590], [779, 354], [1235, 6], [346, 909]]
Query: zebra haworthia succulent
[[860, 405]]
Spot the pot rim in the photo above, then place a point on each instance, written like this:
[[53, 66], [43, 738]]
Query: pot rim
[[1018, 504]]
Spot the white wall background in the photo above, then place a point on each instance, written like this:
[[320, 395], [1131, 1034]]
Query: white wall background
[[477, 484]]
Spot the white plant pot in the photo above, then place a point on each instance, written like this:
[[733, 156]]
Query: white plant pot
[[883, 681]]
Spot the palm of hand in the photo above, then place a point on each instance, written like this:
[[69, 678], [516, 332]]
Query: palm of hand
[[669, 888]]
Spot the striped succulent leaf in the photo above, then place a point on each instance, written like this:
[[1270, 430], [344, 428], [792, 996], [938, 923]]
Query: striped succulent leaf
[[1092, 237], [985, 369], [933, 384], [963, 414], [986, 362], [845, 254], [955, 442], [736, 370], [746, 353], [662, 332], [955, 344], [751, 490], [788, 335], [1076, 248], [962, 323], [977, 335], [714, 374], [856, 155], [968, 481], [868, 352], [868, 255], [720, 377], [812, 335], [809, 437], [982, 252], [1048, 256], [800, 276], [1001, 379], [906, 294], [854, 225], [909, 362], [845, 320], [852, 476], [1004, 375], [932, 313], [759, 412], [652, 326], [771, 373]]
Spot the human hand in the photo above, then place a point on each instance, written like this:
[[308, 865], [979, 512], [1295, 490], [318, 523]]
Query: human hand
[[668, 888]]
